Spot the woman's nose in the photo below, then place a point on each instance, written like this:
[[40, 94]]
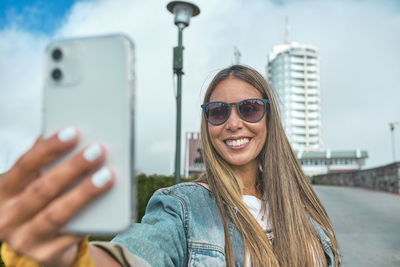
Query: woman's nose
[[234, 121]]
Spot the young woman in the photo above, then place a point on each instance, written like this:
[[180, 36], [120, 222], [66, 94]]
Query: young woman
[[253, 206]]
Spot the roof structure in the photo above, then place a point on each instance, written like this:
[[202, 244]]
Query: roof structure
[[328, 154]]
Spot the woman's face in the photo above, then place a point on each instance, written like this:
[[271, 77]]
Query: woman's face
[[237, 141]]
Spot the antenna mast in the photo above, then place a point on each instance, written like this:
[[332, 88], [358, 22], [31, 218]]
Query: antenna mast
[[236, 55], [287, 29]]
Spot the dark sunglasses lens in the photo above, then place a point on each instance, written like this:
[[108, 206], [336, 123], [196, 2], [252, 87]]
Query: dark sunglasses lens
[[217, 112], [252, 110]]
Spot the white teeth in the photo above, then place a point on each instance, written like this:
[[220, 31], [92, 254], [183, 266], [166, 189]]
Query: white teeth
[[238, 142]]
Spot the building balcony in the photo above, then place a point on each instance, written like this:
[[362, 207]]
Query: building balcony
[[298, 67], [313, 115], [312, 61], [295, 82], [298, 115], [299, 139], [297, 60], [311, 69], [300, 52], [297, 106], [313, 135], [313, 107], [313, 123], [312, 92], [313, 131], [313, 140], [297, 122], [299, 132], [297, 98], [297, 75], [313, 83], [313, 76], [312, 100], [297, 90]]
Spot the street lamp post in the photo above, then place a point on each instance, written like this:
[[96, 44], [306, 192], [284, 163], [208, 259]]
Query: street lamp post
[[183, 11], [392, 126]]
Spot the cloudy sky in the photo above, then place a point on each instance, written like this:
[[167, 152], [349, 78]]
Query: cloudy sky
[[358, 43]]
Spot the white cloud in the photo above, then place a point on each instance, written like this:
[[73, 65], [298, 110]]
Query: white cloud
[[20, 76], [359, 67]]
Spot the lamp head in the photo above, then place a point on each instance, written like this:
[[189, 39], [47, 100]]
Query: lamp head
[[183, 11]]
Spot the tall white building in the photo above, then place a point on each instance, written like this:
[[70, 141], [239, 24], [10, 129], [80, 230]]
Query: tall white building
[[293, 70]]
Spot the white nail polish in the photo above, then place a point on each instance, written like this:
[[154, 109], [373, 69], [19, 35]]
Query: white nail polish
[[67, 134], [101, 177], [92, 152]]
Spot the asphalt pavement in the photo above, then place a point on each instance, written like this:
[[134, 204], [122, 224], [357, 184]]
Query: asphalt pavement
[[367, 224]]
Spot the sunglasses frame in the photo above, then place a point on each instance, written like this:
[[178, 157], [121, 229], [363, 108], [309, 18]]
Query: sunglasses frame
[[237, 104]]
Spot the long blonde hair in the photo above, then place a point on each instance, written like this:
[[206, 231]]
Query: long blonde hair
[[283, 185]]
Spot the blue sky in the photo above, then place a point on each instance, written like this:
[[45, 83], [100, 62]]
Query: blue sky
[[44, 16], [358, 43], [37, 16]]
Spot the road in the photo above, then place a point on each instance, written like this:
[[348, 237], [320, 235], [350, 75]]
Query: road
[[367, 225]]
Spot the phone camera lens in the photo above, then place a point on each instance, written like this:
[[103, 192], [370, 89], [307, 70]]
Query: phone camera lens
[[57, 54], [56, 74]]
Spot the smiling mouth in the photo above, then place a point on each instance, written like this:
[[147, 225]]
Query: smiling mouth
[[237, 142]]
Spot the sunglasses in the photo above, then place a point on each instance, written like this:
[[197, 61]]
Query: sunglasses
[[250, 110]]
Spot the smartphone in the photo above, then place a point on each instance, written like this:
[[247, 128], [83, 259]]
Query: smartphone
[[89, 84]]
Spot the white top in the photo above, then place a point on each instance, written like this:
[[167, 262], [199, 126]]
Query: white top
[[253, 204]]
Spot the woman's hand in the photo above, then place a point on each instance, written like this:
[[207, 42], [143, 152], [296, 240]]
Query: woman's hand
[[32, 212]]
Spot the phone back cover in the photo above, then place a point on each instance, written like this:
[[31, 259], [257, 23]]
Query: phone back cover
[[95, 95]]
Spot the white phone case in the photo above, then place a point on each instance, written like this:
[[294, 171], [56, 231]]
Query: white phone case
[[89, 85]]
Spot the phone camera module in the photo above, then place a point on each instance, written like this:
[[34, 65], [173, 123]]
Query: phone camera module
[[57, 54], [56, 74]]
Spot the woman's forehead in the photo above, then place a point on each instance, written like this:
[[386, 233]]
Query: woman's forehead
[[234, 90]]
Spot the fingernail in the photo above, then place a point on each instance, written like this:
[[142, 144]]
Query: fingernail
[[67, 134], [92, 152], [101, 177]]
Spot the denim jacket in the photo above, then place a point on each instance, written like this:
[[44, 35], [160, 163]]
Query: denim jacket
[[183, 227]]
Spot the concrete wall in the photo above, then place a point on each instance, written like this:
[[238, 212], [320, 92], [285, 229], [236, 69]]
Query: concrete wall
[[385, 178]]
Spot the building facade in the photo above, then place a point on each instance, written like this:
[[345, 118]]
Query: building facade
[[293, 70], [322, 162], [193, 159]]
